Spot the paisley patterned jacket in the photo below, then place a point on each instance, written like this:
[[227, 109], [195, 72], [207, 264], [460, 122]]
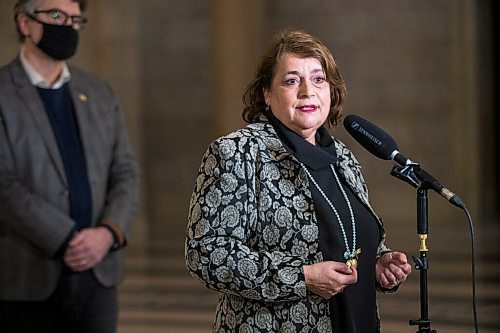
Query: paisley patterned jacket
[[252, 228]]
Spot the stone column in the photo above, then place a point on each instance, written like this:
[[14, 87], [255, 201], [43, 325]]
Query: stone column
[[465, 121], [236, 41], [8, 35], [110, 49]]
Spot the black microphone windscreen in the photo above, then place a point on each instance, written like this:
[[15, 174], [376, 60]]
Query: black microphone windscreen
[[371, 137]]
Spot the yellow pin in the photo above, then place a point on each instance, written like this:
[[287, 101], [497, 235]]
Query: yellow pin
[[82, 97]]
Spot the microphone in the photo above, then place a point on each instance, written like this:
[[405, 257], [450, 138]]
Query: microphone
[[381, 144], [374, 139]]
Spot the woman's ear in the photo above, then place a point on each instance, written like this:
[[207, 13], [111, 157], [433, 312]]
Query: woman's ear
[[267, 96]]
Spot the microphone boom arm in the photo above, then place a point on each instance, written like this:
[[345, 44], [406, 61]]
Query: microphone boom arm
[[421, 180], [413, 174], [417, 177]]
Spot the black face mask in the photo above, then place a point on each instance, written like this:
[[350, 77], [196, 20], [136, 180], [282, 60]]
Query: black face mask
[[58, 41]]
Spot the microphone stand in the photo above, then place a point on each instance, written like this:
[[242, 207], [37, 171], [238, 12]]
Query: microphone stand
[[418, 178]]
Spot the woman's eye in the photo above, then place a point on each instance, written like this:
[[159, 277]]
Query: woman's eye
[[291, 81], [319, 79]]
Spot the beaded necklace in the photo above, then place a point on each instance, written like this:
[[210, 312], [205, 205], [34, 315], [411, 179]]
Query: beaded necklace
[[350, 256]]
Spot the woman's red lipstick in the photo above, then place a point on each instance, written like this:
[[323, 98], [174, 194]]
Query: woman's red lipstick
[[308, 108]]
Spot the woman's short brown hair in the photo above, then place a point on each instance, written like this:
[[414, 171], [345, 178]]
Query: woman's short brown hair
[[303, 45]]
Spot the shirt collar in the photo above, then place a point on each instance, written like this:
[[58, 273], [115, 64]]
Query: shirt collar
[[36, 78], [314, 156]]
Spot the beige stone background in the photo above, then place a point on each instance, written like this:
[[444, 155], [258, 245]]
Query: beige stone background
[[418, 69], [421, 70]]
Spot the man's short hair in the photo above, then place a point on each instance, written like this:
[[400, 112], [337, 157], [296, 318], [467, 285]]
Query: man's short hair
[[29, 6]]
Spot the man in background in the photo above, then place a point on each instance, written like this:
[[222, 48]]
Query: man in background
[[68, 181]]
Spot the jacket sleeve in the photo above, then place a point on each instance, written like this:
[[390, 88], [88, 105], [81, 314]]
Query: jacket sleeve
[[222, 234], [123, 181]]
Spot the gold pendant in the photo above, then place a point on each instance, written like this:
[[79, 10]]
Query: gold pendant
[[353, 262]]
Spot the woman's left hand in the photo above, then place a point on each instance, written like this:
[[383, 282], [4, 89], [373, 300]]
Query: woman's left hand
[[391, 269]]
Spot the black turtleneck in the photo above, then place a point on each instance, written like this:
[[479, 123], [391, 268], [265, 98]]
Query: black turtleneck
[[353, 310]]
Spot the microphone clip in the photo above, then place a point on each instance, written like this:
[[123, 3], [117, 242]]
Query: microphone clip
[[407, 173]]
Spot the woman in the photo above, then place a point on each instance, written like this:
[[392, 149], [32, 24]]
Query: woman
[[279, 221]]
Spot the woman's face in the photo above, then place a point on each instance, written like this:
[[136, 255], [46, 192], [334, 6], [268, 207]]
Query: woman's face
[[299, 95]]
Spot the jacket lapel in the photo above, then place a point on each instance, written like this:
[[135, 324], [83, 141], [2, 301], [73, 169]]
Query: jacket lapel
[[30, 97], [81, 102], [350, 170], [353, 178]]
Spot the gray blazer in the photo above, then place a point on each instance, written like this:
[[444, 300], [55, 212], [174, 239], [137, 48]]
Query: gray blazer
[[34, 205]]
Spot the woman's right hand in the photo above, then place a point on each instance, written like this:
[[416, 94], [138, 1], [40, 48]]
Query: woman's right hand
[[328, 278]]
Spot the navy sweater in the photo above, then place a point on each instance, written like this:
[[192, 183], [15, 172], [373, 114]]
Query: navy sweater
[[61, 112]]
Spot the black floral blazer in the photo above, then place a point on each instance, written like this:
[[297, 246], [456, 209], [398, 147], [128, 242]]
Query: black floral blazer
[[252, 228]]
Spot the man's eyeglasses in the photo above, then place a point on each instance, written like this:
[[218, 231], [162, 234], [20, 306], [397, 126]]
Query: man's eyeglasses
[[59, 17]]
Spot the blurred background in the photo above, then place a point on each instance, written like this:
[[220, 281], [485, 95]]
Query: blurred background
[[425, 71]]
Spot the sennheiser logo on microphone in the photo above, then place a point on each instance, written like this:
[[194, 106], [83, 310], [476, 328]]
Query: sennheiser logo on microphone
[[357, 127]]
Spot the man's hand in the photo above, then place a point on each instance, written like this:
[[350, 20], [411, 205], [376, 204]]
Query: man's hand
[[87, 248]]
